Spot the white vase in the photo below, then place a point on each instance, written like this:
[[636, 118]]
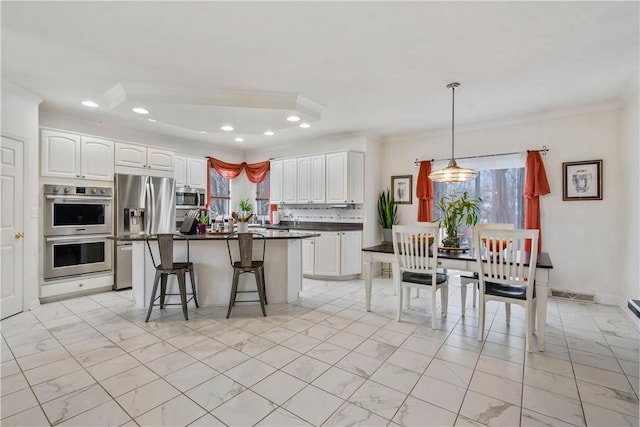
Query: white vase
[[243, 227]]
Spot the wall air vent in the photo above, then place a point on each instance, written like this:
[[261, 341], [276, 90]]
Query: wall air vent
[[575, 296]]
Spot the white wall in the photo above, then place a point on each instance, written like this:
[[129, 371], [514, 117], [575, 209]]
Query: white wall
[[630, 210], [20, 119], [580, 236]]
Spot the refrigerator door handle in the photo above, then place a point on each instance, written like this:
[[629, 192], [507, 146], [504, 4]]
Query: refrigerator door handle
[[148, 205]]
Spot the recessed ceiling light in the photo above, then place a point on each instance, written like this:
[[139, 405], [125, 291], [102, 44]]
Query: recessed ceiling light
[[227, 128], [140, 110], [152, 120], [239, 140], [203, 131], [293, 118], [305, 125], [89, 104], [269, 133]]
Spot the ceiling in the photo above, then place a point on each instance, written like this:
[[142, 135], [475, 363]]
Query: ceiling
[[344, 67]]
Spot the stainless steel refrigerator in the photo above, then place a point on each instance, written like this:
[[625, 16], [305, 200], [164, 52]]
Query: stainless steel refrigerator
[[143, 204]]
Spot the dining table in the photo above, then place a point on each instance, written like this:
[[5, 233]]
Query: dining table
[[462, 261]]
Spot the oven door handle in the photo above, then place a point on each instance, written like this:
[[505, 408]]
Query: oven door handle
[[79, 199], [76, 239]]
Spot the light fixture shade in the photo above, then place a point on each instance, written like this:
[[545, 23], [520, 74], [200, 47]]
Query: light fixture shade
[[453, 173]]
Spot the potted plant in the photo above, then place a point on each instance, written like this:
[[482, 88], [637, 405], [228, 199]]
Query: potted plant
[[203, 221], [457, 209], [246, 213], [387, 214]]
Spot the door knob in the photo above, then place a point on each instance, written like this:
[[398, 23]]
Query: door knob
[[19, 235]]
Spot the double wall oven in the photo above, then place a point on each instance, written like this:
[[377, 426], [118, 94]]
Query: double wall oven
[[77, 223]]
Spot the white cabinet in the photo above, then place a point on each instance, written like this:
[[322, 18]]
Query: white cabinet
[[139, 156], [311, 179], [327, 254], [356, 177], [345, 177], [323, 179], [275, 184], [318, 179], [334, 254], [350, 253], [190, 171], [67, 155], [308, 255], [290, 180], [304, 179]]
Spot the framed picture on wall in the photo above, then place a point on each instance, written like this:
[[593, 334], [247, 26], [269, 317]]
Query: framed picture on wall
[[582, 180], [402, 186]]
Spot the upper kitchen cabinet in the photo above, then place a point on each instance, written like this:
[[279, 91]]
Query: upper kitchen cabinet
[[290, 181], [275, 184], [283, 177], [345, 177], [139, 156], [311, 179], [67, 155], [190, 171]]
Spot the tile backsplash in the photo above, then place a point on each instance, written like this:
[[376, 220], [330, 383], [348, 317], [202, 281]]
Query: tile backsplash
[[351, 213]]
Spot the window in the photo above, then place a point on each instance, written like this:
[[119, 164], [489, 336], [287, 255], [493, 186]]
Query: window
[[499, 185], [220, 193], [262, 196]]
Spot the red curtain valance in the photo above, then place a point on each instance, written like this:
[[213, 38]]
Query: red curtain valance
[[256, 172]]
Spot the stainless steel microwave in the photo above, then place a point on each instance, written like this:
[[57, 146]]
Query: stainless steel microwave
[[190, 198]]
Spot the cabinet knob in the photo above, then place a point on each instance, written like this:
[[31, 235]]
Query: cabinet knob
[[19, 235]]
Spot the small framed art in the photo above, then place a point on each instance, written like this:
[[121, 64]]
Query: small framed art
[[402, 186], [582, 180]]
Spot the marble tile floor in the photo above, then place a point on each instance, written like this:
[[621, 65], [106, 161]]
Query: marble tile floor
[[322, 361]]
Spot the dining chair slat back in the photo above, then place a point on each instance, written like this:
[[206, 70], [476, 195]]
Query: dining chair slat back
[[417, 259], [506, 272]]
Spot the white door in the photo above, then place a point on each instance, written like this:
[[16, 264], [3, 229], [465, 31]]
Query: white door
[[11, 222], [130, 155]]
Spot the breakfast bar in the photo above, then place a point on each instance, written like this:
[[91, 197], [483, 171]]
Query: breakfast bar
[[213, 271]]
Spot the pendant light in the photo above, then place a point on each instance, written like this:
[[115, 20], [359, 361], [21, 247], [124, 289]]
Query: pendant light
[[453, 173]]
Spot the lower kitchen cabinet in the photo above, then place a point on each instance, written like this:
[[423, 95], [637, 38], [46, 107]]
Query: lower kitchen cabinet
[[332, 254]]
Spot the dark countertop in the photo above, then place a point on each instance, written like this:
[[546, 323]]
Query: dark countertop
[[268, 234], [316, 226]]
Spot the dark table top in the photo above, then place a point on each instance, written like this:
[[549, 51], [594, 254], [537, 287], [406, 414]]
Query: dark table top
[[544, 260]]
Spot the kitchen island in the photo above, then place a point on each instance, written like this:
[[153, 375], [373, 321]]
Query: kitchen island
[[213, 271]]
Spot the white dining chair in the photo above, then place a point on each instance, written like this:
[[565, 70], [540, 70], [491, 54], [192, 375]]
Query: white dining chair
[[469, 278], [412, 246], [506, 272]]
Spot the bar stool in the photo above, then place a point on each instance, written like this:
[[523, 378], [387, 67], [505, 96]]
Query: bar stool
[[247, 264], [168, 267]]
